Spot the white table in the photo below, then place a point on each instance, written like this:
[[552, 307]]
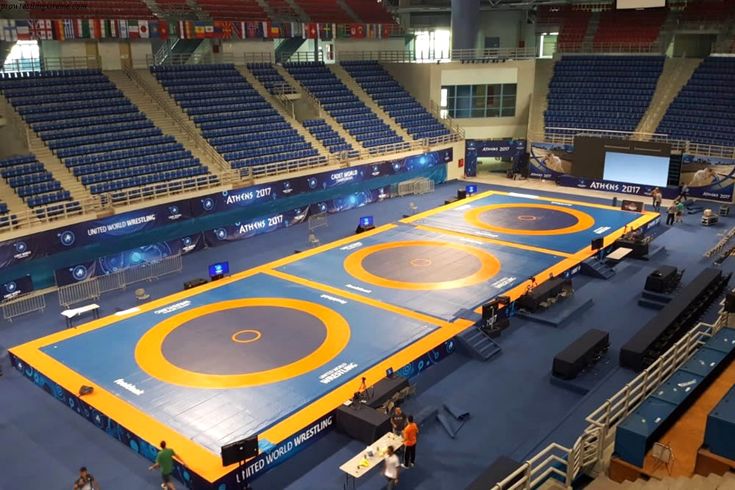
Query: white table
[[362, 463], [73, 313], [618, 254]]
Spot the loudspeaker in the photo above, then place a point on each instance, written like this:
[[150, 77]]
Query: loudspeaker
[[361, 228], [461, 193], [85, 390], [239, 451], [597, 243], [730, 302]]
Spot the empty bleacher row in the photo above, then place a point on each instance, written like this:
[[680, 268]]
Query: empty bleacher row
[[269, 77], [343, 105], [621, 27], [327, 136], [704, 109], [31, 181], [234, 118], [394, 99], [601, 92], [94, 129]]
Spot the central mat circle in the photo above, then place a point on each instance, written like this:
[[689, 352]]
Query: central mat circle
[[254, 335], [422, 265], [207, 347], [529, 219]]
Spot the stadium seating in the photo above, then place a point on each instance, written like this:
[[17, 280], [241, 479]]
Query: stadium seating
[[370, 11], [704, 109], [394, 99], [232, 115], [329, 137], [31, 181], [92, 9], [573, 29], [708, 12], [601, 92], [629, 27], [98, 134], [344, 106], [325, 11], [270, 78], [249, 10]]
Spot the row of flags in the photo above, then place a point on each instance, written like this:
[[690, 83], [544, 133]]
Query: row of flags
[[63, 29]]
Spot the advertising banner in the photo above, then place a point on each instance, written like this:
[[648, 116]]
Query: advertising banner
[[708, 177], [610, 186], [16, 287], [549, 161]]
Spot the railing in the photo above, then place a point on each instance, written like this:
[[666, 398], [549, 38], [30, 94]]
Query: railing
[[566, 464], [601, 47], [24, 304], [720, 246], [491, 54], [93, 288], [445, 119], [683, 146], [259, 58], [135, 195], [16, 121]]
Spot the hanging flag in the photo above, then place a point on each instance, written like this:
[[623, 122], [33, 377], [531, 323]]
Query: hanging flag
[[326, 32], [143, 29], [272, 31], [222, 29], [253, 30], [3, 25], [122, 28], [387, 31], [154, 29], [41, 30], [22, 30], [133, 29], [200, 29], [68, 29], [209, 31], [239, 30], [311, 30], [163, 29]]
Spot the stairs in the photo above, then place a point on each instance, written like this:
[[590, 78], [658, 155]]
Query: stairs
[[653, 300], [476, 343], [349, 11], [594, 267], [57, 168], [696, 482], [287, 48], [183, 129], [539, 101], [589, 37], [247, 75], [676, 73], [345, 78], [322, 113], [10, 198], [296, 8]]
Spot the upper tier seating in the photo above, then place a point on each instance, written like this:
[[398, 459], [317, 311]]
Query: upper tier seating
[[629, 27], [325, 11], [344, 106], [601, 92], [95, 130], [31, 181], [709, 12], [232, 115], [329, 137], [370, 11], [573, 29], [248, 10], [270, 78], [394, 99], [90, 9], [704, 109]]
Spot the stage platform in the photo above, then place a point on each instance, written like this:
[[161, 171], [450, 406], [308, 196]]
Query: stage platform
[[274, 350]]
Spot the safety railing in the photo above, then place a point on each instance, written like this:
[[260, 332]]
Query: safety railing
[[15, 121], [720, 246], [445, 119], [70, 62], [268, 57], [604, 47], [565, 136], [92, 289], [22, 305], [29, 218], [566, 464], [306, 56], [136, 195]]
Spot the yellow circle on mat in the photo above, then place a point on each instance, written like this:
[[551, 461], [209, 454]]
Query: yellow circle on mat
[[489, 266], [150, 358], [256, 336], [584, 220]]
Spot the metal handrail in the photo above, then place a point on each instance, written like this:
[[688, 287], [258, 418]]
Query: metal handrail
[[608, 47]]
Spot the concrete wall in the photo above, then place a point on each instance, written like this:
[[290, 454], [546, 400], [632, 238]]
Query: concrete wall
[[109, 52], [508, 25], [424, 81], [392, 44], [238, 48], [140, 51]]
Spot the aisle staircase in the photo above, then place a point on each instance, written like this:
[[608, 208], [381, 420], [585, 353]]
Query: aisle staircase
[[11, 200], [697, 482], [595, 267], [539, 101], [260, 88], [675, 74], [57, 168], [337, 127], [355, 88], [477, 344]]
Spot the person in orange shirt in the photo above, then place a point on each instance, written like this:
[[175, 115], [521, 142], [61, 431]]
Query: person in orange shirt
[[410, 436]]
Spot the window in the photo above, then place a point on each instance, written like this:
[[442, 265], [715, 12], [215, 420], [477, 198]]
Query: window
[[432, 45], [24, 56], [465, 101], [547, 44]]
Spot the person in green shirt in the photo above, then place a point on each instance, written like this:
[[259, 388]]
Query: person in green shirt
[[165, 462]]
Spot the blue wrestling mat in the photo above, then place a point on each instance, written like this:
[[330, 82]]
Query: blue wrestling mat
[[561, 225], [440, 274]]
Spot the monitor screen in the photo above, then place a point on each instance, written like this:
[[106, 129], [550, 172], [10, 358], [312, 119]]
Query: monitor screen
[[219, 269], [366, 221], [471, 189], [636, 169]]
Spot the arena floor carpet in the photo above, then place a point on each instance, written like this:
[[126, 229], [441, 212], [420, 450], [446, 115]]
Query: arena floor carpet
[[271, 350]]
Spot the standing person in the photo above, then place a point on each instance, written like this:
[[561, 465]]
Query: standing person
[[165, 462], [398, 421], [85, 481], [671, 214], [410, 436], [680, 208], [657, 197], [391, 468]]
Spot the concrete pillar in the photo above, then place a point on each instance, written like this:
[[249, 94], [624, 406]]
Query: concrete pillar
[[465, 23]]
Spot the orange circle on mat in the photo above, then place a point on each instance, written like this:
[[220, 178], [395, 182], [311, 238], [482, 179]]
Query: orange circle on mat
[[584, 220], [150, 358], [255, 333], [489, 266]]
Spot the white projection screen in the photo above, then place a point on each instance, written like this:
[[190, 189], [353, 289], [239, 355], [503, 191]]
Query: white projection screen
[[640, 4]]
